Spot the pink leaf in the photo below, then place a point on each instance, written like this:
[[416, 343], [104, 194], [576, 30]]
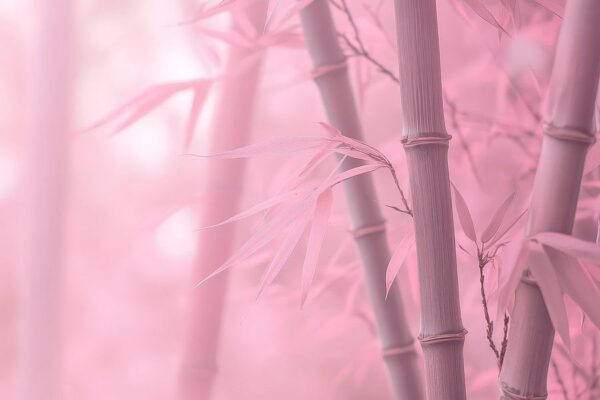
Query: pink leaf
[[516, 254], [351, 173], [497, 219], [143, 103], [504, 231], [464, 216], [224, 6], [481, 10], [283, 253], [262, 206], [315, 241], [271, 146], [554, 6], [355, 144], [200, 93], [577, 283], [570, 245], [592, 160], [397, 260], [265, 235], [546, 278]]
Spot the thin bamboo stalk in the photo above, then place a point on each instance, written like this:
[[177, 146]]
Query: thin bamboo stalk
[[426, 146], [338, 100], [231, 128], [571, 103], [45, 166]]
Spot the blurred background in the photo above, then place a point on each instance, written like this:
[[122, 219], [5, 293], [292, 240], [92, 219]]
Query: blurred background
[[100, 240]]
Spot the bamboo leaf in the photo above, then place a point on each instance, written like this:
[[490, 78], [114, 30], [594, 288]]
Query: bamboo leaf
[[263, 236], [200, 94], [464, 216], [504, 231], [397, 260], [315, 241], [570, 245], [592, 160], [545, 275], [480, 9], [554, 6], [283, 253], [262, 206], [142, 104], [497, 219], [271, 146], [577, 283], [516, 254], [351, 173]]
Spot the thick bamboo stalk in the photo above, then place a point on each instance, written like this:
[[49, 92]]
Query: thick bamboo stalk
[[230, 129], [572, 94], [337, 97], [45, 166], [426, 146]]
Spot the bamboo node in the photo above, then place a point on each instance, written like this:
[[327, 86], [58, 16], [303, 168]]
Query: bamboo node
[[443, 337], [323, 70], [368, 230], [426, 140], [399, 350], [570, 134], [510, 395]]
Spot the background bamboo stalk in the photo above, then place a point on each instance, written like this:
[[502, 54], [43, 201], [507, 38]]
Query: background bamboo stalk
[[337, 97], [571, 103], [231, 128], [45, 167], [423, 117]]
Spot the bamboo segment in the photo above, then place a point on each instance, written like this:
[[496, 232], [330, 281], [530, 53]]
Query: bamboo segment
[[338, 100], [230, 129], [426, 146], [46, 155], [567, 137]]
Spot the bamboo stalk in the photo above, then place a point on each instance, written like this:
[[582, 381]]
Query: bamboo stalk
[[231, 128], [337, 97], [571, 103], [426, 146], [45, 166]]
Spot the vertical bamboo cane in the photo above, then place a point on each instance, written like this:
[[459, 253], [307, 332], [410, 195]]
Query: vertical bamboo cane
[[230, 129], [45, 165], [426, 146], [567, 137], [338, 100]]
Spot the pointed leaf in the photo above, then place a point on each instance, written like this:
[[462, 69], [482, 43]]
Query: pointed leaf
[[464, 216], [547, 280], [481, 10], [262, 206], [397, 260], [577, 283], [570, 245], [504, 231], [270, 146], [554, 6], [200, 94], [497, 219], [315, 241], [283, 253], [262, 237], [516, 254]]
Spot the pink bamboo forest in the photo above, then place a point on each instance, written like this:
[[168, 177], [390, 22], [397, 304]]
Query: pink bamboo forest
[[300, 199]]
